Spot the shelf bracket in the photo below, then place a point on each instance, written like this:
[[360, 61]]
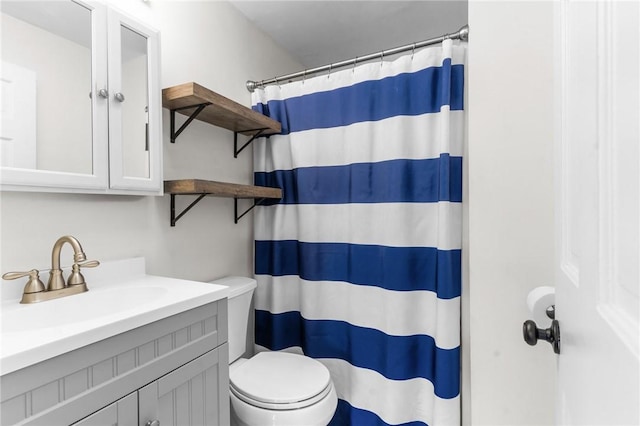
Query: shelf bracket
[[175, 218], [194, 114], [237, 151], [235, 208]]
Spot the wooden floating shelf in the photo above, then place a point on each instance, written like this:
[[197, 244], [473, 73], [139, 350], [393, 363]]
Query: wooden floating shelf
[[204, 188], [219, 189], [219, 111], [199, 103]]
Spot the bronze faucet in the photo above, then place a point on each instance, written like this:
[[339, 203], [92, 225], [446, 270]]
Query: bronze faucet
[[35, 291]]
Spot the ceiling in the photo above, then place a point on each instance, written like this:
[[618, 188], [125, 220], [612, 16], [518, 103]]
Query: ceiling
[[318, 33]]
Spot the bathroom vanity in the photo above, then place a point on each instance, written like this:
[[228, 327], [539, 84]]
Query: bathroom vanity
[[147, 350]]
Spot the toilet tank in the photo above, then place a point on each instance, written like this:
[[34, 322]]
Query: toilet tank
[[240, 293]]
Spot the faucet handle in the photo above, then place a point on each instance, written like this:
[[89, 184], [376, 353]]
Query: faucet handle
[[89, 264], [76, 278], [34, 285]]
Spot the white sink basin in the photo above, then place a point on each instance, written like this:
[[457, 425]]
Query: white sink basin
[[89, 306], [35, 332]]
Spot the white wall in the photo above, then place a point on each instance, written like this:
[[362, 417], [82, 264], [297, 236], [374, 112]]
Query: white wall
[[510, 209], [206, 42]]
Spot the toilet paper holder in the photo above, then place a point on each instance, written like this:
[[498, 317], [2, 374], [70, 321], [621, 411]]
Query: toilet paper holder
[[532, 333]]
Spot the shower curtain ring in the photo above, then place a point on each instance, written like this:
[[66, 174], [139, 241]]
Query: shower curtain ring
[[413, 51], [304, 76], [353, 70], [330, 66], [381, 58], [277, 82]]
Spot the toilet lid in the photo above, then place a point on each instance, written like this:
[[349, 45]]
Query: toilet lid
[[273, 379]]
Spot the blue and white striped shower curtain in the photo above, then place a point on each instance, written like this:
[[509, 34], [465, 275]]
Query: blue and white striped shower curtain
[[359, 264]]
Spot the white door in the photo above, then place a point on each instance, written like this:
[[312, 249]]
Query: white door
[[597, 204], [18, 117]]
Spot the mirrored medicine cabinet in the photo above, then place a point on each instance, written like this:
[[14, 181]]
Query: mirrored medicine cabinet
[[81, 99]]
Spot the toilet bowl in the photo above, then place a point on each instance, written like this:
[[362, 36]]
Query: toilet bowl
[[272, 388], [287, 389]]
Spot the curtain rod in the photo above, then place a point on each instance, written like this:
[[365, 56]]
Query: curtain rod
[[461, 34]]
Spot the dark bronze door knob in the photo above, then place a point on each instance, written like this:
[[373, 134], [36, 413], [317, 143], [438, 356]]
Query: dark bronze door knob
[[532, 334]]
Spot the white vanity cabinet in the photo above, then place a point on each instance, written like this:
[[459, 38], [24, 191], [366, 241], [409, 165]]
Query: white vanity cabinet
[[175, 370], [82, 100]]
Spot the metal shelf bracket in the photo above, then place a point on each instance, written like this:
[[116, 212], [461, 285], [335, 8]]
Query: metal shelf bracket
[[194, 114], [175, 218], [235, 208], [237, 151], [237, 217]]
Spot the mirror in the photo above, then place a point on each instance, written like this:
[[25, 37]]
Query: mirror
[[135, 103], [46, 86]]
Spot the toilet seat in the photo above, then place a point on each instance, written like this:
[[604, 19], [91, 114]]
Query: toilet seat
[[280, 381]]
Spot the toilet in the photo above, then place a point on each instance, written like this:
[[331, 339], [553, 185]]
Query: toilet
[[272, 388]]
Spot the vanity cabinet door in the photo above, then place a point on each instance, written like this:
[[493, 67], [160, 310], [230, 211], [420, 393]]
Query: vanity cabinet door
[[122, 412], [135, 130], [195, 394]]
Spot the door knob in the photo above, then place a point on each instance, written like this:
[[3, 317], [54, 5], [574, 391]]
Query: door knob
[[532, 334]]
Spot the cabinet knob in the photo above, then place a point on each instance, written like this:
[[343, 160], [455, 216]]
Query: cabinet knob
[[103, 93], [120, 98], [153, 423]]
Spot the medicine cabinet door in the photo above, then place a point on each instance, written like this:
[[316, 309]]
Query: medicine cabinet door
[[135, 128], [53, 86]]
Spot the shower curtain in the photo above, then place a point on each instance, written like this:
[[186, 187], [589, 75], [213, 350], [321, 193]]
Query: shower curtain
[[359, 264]]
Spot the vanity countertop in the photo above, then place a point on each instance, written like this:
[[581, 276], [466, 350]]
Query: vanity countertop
[[32, 333]]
